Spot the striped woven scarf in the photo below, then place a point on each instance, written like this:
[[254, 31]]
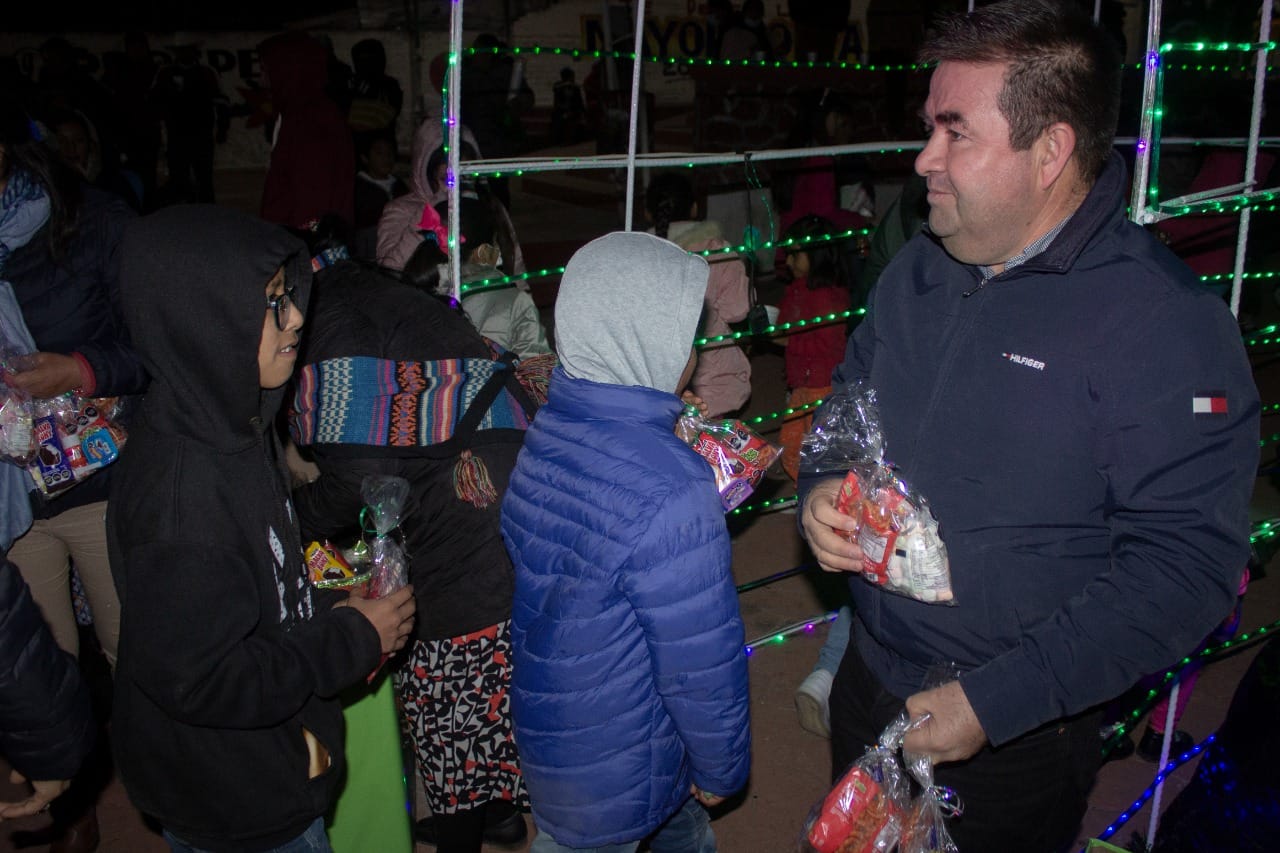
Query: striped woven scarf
[[403, 404]]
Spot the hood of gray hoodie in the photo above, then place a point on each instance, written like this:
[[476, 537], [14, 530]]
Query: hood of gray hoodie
[[628, 309]]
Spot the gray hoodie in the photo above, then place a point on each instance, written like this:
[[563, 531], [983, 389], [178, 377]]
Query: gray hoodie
[[628, 309]]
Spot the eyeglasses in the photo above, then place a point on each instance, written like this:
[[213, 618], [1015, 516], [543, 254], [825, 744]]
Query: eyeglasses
[[280, 304]]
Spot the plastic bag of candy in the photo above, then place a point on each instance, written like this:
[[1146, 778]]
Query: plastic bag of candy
[[74, 438], [898, 535], [902, 548], [384, 499], [737, 454], [925, 829], [864, 812]]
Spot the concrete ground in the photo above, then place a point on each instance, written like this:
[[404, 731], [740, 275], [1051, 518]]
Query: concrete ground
[[790, 767]]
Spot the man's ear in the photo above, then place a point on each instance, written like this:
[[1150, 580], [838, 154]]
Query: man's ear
[[1053, 152]]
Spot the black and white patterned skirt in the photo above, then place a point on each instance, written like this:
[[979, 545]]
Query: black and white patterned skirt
[[455, 695]]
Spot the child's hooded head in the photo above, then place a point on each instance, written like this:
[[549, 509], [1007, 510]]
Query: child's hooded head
[[628, 309], [194, 287]]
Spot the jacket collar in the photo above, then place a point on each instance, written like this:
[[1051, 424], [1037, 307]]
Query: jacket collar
[[634, 404]]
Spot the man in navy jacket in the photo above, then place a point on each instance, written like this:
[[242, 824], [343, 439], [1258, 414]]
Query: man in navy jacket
[[1078, 412]]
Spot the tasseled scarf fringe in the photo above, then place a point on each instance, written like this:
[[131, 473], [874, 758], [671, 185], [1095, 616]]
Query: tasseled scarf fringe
[[534, 375], [471, 481]]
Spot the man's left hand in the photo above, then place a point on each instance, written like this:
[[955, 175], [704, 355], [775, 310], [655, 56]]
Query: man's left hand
[[952, 732], [47, 374]]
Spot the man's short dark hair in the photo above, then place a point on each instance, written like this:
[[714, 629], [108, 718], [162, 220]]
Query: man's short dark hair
[[1061, 68]]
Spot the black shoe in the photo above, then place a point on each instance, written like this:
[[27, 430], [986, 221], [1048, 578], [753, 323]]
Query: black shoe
[[509, 830], [424, 831], [1152, 740], [506, 830]]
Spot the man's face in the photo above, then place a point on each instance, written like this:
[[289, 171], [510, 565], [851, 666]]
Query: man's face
[[983, 198], [278, 349]]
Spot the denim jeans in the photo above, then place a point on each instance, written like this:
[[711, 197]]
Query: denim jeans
[[686, 831], [312, 841], [837, 640]]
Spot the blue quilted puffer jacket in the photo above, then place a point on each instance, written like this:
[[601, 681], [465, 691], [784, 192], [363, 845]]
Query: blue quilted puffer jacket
[[629, 680]]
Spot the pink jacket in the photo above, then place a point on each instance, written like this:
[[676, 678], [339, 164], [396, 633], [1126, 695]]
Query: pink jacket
[[723, 375], [398, 235]]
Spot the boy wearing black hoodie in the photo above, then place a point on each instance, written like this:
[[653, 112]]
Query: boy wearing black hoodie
[[225, 725]]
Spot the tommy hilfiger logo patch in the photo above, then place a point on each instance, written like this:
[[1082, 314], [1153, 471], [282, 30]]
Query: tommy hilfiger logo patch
[[1022, 359], [1209, 403]]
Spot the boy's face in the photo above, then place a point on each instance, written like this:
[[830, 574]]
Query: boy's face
[[278, 349]]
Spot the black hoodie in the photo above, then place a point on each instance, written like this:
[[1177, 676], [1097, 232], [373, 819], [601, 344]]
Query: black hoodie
[[226, 656]]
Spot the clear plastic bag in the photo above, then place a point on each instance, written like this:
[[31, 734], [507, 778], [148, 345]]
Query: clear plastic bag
[[902, 547], [385, 498], [17, 427], [925, 829], [737, 454], [865, 811]]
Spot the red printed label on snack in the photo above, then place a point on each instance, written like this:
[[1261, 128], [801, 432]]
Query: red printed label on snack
[[878, 534], [852, 817]]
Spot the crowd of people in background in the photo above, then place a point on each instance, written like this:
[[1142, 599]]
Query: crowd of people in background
[[568, 563]]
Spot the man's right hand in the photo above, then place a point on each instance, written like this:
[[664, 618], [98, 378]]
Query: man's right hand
[[834, 552], [391, 617]]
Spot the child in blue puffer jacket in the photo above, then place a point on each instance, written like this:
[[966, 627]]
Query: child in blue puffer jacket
[[629, 682]]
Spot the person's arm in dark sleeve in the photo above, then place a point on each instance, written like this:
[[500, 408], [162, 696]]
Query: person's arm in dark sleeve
[[200, 650], [679, 583], [46, 723], [329, 507], [114, 368], [1178, 489]]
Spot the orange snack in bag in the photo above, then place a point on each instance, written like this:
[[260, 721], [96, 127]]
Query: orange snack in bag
[[849, 502]]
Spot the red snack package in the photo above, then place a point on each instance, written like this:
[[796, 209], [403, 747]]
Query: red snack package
[[849, 502], [737, 454], [864, 811]]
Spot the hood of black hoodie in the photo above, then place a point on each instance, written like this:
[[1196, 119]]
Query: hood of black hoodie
[[193, 282]]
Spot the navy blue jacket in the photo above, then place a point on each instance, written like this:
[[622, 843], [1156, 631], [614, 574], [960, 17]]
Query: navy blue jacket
[[629, 680], [71, 305], [46, 725], [1097, 526]]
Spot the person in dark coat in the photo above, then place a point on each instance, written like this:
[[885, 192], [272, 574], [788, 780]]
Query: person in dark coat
[[422, 426], [46, 724], [226, 726], [312, 169]]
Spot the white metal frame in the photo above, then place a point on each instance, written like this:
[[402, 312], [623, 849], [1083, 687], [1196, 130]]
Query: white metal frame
[[1144, 210]]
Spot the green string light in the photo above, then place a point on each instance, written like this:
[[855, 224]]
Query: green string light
[[779, 329], [805, 65], [765, 506], [499, 282], [1254, 201], [628, 56], [1222, 46]]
